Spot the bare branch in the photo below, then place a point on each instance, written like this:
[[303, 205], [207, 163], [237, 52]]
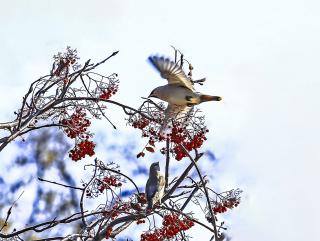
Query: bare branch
[[60, 184]]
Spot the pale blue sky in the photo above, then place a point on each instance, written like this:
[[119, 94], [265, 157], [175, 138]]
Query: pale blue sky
[[261, 56]]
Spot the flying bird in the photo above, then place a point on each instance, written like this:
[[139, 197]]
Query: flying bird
[[179, 92], [155, 185]]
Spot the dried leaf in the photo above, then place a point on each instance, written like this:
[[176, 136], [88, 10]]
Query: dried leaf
[[150, 149], [140, 154]]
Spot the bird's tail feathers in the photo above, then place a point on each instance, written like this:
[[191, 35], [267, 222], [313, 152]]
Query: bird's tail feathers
[[204, 98]]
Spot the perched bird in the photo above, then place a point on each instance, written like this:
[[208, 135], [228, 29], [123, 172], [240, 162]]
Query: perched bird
[[155, 185], [179, 92]]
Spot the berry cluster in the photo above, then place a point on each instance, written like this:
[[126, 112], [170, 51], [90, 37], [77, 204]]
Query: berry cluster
[[136, 206], [108, 232], [172, 225], [179, 136], [183, 135], [108, 92], [85, 147], [219, 209], [179, 153], [88, 193], [109, 181], [63, 65], [197, 140], [77, 124], [65, 81], [139, 221], [141, 197], [148, 128], [140, 123], [62, 62], [141, 200], [223, 206], [70, 60], [116, 210]]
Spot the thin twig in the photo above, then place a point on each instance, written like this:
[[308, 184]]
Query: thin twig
[[9, 212], [167, 164], [60, 184], [213, 221], [190, 197]]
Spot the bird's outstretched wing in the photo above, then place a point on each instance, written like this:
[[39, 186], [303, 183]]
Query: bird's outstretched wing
[[171, 71], [178, 113]]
